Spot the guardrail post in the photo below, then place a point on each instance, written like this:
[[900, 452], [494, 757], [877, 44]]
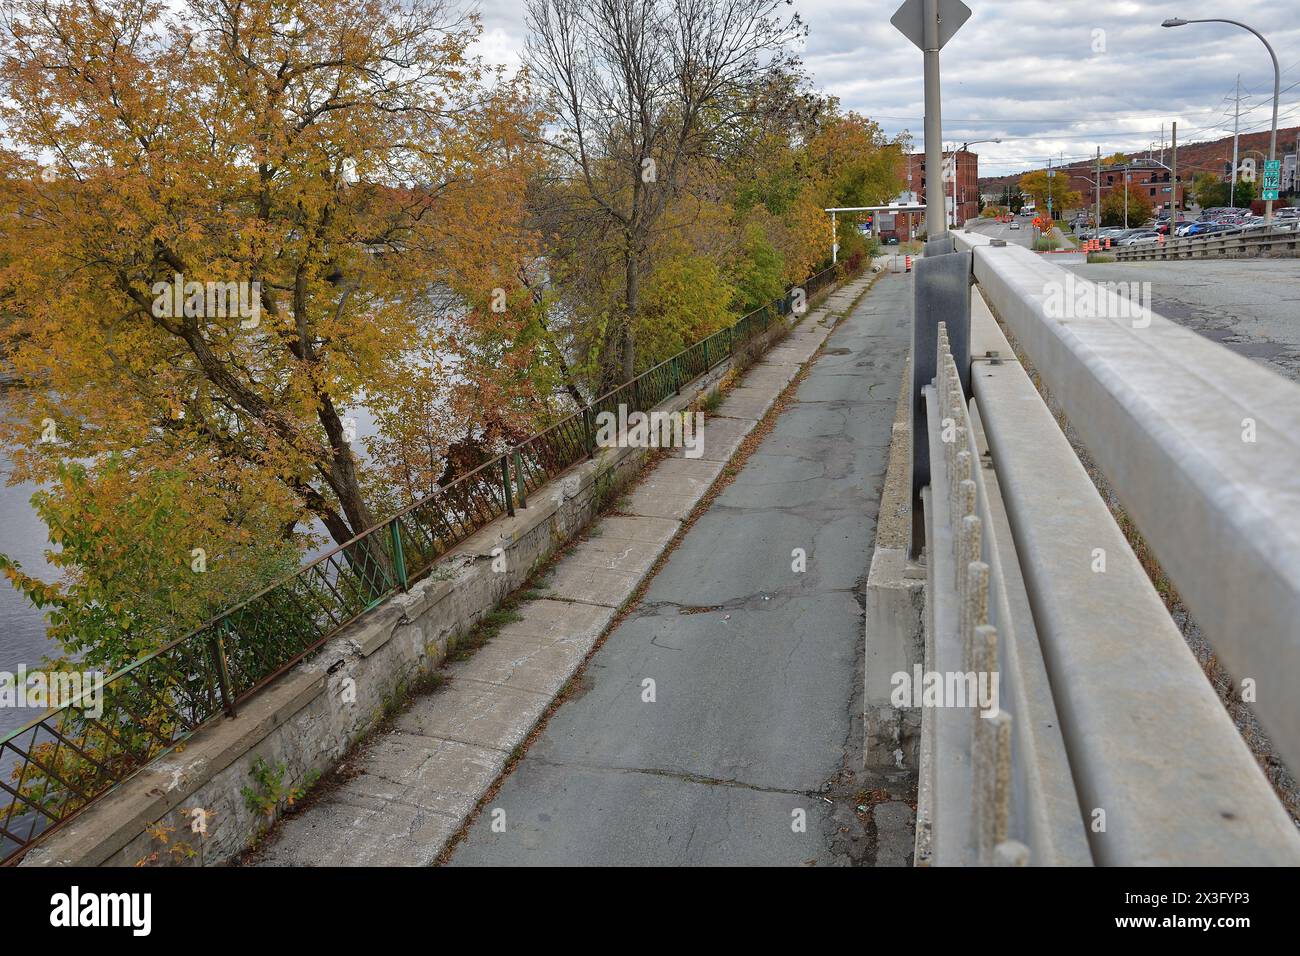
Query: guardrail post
[[588, 431], [399, 556], [505, 485], [217, 646], [521, 490], [941, 293]]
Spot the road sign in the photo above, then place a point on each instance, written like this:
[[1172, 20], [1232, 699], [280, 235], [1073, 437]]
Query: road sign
[[909, 19], [1272, 179]]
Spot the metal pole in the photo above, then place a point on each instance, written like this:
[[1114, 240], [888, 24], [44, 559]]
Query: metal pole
[[1277, 90], [1173, 184], [1272, 142], [835, 241], [1096, 226], [1125, 196], [1236, 136], [934, 198], [1050, 179], [399, 555], [505, 485], [521, 487]]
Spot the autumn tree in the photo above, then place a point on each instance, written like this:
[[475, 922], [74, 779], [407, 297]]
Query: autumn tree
[[231, 225], [644, 93], [1113, 209], [1056, 188]]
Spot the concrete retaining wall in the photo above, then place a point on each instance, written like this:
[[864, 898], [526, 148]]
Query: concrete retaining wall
[[895, 625], [306, 721]]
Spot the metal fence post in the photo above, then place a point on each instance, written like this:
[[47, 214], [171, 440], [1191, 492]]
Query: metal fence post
[[677, 375], [706, 353], [505, 485], [399, 555], [218, 648], [522, 491], [588, 431]]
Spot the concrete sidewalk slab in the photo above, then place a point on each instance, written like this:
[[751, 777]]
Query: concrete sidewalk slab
[[588, 585], [721, 438], [523, 665], [674, 488], [472, 712], [548, 622], [613, 554], [636, 528], [749, 402]]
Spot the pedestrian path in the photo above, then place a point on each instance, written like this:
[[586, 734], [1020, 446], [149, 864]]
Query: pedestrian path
[[718, 723]]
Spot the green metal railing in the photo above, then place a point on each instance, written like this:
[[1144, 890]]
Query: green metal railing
[[65, 759]]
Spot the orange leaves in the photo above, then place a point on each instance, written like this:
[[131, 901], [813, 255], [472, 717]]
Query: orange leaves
[[336, 166]]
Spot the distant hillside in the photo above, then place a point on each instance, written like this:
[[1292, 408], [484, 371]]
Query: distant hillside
[[1193, 158]]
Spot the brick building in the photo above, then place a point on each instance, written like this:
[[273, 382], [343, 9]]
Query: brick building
[[961, 191], [1145, 176]]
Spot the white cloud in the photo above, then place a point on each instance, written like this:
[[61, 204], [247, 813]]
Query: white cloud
[[1027, 71]]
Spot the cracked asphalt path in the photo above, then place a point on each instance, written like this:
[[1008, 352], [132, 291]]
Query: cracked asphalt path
[[757, 710]]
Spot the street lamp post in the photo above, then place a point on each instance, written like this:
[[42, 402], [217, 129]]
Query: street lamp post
[[1277, 87], [956, 172]]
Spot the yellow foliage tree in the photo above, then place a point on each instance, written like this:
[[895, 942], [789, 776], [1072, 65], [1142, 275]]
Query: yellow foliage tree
[[231, 225]]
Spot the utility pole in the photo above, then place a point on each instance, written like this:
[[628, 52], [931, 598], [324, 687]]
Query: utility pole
[[1173, 176], [1050, 176], [1097, 187], [1125, 195], [1236, 137]]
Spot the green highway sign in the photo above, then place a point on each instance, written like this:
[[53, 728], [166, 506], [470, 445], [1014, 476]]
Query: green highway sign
[[1272, 179]]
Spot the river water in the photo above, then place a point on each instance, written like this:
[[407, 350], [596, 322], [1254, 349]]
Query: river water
[[23, 537]]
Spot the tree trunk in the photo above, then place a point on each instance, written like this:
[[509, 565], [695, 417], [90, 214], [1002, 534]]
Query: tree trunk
[[632, 298]]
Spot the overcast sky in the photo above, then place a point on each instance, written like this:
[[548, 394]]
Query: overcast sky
[[1048, 77]]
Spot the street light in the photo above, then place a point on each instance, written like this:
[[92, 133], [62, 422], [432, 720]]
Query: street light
[[1277, 88]]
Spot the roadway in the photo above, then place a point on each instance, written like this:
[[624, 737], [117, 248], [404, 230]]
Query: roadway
[[1248, 305], [757, 669], [1024, 236]]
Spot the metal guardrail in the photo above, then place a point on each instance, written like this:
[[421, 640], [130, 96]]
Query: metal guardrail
[[995, 788], [1244, 241], [1199, 445], [64, 760]]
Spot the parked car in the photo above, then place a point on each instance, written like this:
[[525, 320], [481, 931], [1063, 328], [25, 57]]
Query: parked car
[[1139, 238]]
